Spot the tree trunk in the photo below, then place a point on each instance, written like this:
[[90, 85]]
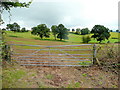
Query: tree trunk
[[55, 37], [60, 39], [41, 36]]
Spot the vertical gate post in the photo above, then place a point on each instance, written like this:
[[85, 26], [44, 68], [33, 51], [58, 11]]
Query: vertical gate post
[[94, 54], [6, 53]]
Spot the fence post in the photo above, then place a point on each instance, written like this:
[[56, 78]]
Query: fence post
[[94, 54], [6, 53]]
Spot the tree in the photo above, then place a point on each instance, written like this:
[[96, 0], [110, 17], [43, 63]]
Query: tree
[[23, 30], [73, 30], [110, 30], [86, 39], [13, 27], [85, 31], [41, 30], [118, 31], [54, 29], [62, 32], [8, 4], [77, 31], [3, 29], [100, 33]]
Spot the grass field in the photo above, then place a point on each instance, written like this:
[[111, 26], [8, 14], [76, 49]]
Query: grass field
[[27, 38], [16, 76]]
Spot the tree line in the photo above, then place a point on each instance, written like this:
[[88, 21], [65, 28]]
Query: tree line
[[42, 30], [15, 27], [99, 32]]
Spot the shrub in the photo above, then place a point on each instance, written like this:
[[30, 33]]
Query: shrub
[[86, 39]]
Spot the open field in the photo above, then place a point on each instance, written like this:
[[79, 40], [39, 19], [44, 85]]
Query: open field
[[27, 38], [15, 76]]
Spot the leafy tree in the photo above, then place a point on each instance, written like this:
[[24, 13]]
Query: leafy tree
[[54, 29], [100, 33], [85, 31], [13, 27], [73, 30], [8, 4], [24, 30], [86, 39], [77, 31], [68, 30], [62, 32], [3, 29], [41, 30], [110, 30], [118, 31]]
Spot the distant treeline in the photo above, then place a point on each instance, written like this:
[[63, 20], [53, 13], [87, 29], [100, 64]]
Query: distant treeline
[[99, 32]]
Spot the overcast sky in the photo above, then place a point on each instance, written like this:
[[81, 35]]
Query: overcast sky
[[71, 13]]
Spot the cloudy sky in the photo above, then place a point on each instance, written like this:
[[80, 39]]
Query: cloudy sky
[[71, 13]]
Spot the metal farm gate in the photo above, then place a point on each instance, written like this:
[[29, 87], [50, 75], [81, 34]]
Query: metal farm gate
[[59, 55]]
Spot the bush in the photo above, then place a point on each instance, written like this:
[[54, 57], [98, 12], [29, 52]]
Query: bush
[[86, 39], [108, 56]]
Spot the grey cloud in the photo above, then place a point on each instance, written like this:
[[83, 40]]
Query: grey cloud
[[51, 13]]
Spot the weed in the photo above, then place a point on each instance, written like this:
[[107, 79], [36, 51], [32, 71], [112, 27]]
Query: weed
[[84, 74], [49, 76], [11, 76], [74, 85]]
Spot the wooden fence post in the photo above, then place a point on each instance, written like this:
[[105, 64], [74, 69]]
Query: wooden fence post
[[94, 54], [6, 53]]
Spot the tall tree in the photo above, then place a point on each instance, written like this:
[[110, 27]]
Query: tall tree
[[62, 32], [85, 31], [13, 27], [54, 29], [41, 30], [100, 33]]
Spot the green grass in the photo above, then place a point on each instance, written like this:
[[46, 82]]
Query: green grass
[[74, 85], [49, 76], [11, 76], [73, 38]]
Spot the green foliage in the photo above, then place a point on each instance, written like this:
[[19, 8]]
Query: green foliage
[[100, 33], [118, 31], [49, 76], [10, 76], [74, 85], [77, 31], [85, 31], [54, 29], [110, 30], [3, 29], [8, 5], [24, 30], [13, 27], [41, 30], [6, 53], [62, 32], [86, 39], [84, 74], [73, 30]]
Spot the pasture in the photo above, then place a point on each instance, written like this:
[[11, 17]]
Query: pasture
[[56, 77], [28, 38]]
